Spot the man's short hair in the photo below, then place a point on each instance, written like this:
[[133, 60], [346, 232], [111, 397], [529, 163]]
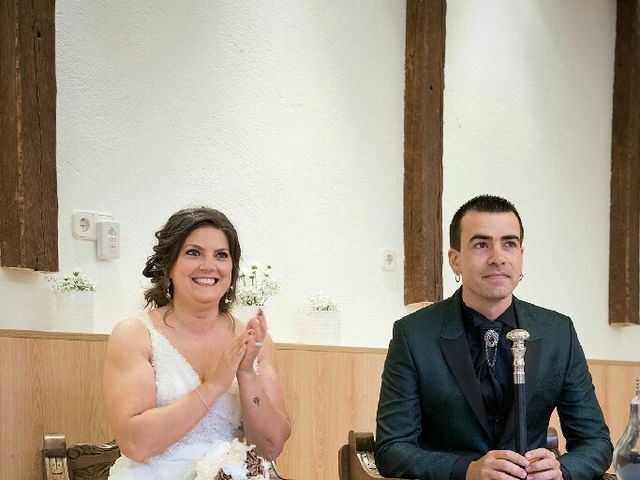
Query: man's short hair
[[481, 203]]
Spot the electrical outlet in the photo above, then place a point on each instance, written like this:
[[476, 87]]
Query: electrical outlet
[[83, 224], [389, 259]]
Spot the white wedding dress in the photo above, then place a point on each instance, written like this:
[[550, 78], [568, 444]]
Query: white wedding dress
[[175, 377]]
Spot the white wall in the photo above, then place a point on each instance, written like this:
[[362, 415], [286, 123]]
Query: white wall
[[527, 114], [288, 116]]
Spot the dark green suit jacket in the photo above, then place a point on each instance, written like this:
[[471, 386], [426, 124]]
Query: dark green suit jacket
[[431, 412]]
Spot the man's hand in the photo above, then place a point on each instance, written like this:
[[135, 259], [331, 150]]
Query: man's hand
[[543, 465], [499, 465]]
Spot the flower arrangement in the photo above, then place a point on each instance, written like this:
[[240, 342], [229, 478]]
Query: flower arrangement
[[255, 286], [322, 303], [76, 282], [233, 460]]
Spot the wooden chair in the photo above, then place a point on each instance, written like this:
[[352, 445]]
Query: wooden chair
[[356, 462], [89, 461]]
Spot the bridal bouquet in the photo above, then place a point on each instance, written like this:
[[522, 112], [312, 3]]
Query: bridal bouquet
[[232, 461]]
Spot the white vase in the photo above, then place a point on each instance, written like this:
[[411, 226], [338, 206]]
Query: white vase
[[323, 327], [75, 311], [244, 313]]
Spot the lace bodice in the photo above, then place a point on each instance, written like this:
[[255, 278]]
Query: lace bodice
[[175, 377]]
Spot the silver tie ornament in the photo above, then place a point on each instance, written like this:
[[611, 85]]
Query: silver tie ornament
[[518, 337], [491, 342]]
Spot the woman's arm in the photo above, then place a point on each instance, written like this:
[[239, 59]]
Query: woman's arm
[[142, 429], [264, 414]]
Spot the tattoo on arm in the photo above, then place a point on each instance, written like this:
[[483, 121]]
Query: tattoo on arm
[[256, 400]]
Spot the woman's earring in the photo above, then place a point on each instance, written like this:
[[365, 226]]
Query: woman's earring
[[227, 296], [521, 276], [169, 289], [457, 278]]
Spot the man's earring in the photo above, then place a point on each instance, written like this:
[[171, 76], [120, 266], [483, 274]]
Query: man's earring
[[457, 277]]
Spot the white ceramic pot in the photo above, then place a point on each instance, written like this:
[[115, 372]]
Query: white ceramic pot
[[245, 312], [74, 311], [323, 328]]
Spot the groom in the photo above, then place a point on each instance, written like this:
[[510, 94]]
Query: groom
[[445, 409]]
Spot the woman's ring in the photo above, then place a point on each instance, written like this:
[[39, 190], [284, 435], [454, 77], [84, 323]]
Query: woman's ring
[[257, 344]]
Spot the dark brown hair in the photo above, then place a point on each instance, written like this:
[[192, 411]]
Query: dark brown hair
[[484, 204], [171, 237]]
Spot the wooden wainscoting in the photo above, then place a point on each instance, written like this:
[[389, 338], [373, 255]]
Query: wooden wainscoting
[[328, 390], [615, 387], [50, 382]]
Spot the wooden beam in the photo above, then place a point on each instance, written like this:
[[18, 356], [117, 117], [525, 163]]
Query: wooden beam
[[424, 78], [28, 193], [624, 234]]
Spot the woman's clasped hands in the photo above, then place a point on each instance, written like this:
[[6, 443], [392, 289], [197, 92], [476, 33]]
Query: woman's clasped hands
[[255, 331], [241, 354]]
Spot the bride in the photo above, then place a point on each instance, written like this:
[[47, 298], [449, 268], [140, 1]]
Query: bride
[[189, 389]]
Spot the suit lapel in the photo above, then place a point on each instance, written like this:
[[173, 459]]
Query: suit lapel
[[455, 350], [528, 322]]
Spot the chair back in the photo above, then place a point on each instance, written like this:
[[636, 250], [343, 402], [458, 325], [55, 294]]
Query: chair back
[[83, 461]]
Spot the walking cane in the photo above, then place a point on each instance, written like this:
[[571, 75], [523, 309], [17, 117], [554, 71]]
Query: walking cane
[[518, 336]]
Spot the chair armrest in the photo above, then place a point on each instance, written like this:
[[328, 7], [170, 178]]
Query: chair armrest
[[54, 454], [92, 460], [361, 464], [552, 444], [344, 472], [275, 474], [82, 460], [552, 441]]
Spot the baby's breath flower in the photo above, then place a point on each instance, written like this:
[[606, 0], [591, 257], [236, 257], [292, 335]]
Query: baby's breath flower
[[72, 283], [322, 303], [256, 286]]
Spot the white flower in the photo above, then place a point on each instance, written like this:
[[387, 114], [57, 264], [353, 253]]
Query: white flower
[[319, 302], [233, 462], [209, 466], [74, 282], [255, 285], [228, 457]]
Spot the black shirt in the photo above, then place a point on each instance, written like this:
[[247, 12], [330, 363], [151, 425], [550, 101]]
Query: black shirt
[[497, 404]]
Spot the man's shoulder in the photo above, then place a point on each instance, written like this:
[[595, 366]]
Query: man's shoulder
[[542, 320], [430, 316], [539, 311]]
